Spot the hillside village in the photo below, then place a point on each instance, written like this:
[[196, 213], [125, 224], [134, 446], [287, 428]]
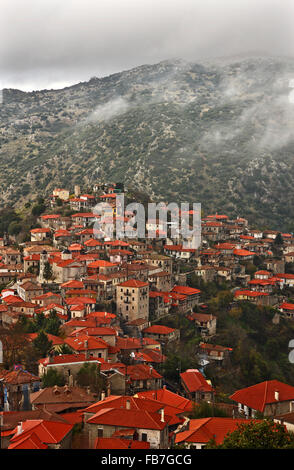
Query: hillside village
[[124, 344]]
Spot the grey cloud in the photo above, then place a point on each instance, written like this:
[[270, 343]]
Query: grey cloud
[[50, 43]]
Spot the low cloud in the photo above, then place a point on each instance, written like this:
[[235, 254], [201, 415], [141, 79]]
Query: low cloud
[[49, 43], [109, 110]]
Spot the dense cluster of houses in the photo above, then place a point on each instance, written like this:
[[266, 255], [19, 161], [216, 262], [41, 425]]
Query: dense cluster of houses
[[67, 269]]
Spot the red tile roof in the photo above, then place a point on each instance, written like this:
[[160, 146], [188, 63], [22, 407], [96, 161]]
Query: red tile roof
[[259, 395], [203, 430], [56, 340], [129, 418], [40, 230], [49, 432], [128, 343], [134, 283], [159, 330], [29, 441], [67, 359], [194, 381], [286, 306], [73, 284], [100, 263], [243, 253], [80, 300], [84, 342], [249, 293], [116, 443], [167, 397], [17, 377], [142, 372], [185, 290]]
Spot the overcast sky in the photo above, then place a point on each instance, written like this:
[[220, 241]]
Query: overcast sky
[[55, 43]]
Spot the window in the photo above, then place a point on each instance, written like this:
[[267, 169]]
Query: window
[[100, 432], [144, 436]]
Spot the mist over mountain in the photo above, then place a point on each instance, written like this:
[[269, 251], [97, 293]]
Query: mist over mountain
[[216, 132]]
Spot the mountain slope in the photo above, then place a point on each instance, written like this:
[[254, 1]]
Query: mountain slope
[[217, 133]]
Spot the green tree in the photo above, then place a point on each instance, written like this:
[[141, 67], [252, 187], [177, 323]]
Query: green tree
[[279, 240], [42, 344], [89, 376], [206, 410], [59, 202], [47, 271], [39, 322], [53, 323], [52, 377], [38, 209], [14, 228]]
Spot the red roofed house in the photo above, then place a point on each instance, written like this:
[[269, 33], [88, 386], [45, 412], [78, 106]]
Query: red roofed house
[[31, 262], [40, 234], [66, 364], [88, 345], [213, 352], [205, 322], [201, 431], [271, 398], [162, 333], [244, 254], [46, 299], [169, 398], [107, 334], [18, 384], [287, 309], [143, 377], [28, 290], [260, 298], [41, 434], [286, 279], [62, 399], [196, 386], [193, 295], [140, 425], [262, 274], [132, 298]]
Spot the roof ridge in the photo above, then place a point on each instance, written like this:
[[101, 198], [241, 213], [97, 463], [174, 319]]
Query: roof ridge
[[264, 397]]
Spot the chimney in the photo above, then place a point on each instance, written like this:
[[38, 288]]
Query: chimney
[[103, 395], [277, 395], [128, 405], [86, 348], [162, 415], [66, 390], [88, 390], [55, 390], [19, 428]]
